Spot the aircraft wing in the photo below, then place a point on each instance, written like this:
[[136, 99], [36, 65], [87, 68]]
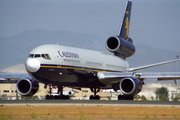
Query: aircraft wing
[[114, 77], [160, 76], [152, 65]]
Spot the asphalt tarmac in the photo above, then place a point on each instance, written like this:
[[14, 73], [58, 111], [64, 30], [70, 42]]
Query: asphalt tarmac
[[88, 103]]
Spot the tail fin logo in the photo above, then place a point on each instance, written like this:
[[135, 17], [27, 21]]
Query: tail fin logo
[[127, 26], [124, 31]]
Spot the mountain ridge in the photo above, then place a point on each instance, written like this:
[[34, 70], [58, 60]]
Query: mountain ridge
[[15, 49], [19, 68]]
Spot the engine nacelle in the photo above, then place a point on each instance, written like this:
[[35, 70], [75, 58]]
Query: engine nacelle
[[130, 86], [27, 87], [120, 46]]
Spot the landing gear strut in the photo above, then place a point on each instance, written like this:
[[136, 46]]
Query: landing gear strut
[[59, 91], [95, 97]]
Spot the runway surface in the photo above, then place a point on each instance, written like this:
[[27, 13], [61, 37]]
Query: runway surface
[[88, 103]]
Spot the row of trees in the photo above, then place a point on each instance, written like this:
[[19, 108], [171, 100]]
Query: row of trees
[[161, 95]]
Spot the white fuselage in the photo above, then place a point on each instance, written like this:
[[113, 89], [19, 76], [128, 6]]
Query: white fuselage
[[70, 63]]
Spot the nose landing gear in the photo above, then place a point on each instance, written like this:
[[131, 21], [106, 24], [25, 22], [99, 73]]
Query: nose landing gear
[[95, 97], [59, 91]]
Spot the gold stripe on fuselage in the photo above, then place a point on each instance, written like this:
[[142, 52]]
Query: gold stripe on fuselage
[[76, 68]]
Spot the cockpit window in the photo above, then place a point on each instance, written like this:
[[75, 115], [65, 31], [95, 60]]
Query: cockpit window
[[45, 56], [48, 57], [37, 55], [31, 55]]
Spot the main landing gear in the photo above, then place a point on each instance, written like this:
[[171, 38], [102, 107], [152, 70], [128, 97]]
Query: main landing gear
[[94, 97], [124, 97], [60, 92]]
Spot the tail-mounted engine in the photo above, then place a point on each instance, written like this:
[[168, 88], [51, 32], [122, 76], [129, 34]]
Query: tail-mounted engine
[[120, 47], [27, 87], [130, 86]]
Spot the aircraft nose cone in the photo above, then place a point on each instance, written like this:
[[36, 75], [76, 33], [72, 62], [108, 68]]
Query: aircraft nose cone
[[32, 65]]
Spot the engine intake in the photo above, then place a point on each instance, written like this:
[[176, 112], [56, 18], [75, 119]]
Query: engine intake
[[130, 86], [27, 87], [120, 47]]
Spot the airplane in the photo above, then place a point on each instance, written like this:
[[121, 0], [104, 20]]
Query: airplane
[[77, 68]]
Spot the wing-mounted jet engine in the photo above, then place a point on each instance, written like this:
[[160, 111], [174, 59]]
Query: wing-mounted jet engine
[[27, 87], [130, 86], [120, 47]]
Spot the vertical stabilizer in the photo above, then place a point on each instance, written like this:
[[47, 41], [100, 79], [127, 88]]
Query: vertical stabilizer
[[122, 45], [124, 31]]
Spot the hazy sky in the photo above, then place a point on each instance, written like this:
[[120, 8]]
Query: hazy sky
[[153, 22]]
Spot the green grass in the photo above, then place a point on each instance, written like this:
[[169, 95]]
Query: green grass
[[33, 115], [61, 115]]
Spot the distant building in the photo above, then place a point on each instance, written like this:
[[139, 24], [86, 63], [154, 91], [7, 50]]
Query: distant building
[[149, 91], [8, 92]]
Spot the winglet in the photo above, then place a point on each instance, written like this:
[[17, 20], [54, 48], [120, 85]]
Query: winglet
[[124, 31]]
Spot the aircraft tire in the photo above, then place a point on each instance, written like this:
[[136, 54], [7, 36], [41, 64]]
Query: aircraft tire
[[97, 97], [123, 97], [57, 97], [49, 97], [91, 97], [65, 97]]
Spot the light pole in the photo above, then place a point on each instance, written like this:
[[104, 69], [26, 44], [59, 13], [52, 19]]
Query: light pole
[[178, 89], [177, 57]]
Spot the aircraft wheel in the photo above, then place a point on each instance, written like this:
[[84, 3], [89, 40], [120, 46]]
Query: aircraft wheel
[[129, 97], [91, 97], [49, 97], [97, 97], [123, 97], [57, 97], [66, 97]]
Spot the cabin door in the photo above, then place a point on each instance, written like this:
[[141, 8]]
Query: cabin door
[[58, 61]]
